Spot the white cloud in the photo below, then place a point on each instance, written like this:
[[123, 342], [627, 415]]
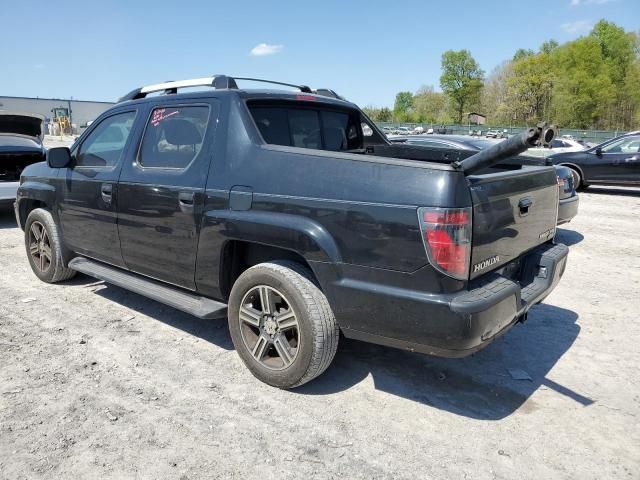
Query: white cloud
[[575, 3], [263, 49], [577, 27]]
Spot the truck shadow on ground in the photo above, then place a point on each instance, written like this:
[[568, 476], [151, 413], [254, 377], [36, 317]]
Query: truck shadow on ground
[[479, 386], [7, 218], [568, 237], [213, 331], [621, 191]]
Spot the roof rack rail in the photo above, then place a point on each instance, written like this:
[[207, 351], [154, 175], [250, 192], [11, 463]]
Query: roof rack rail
[[327, 92], [216, 81]]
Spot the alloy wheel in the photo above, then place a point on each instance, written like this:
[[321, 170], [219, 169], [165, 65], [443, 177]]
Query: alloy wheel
[[269, 327], [40, 247]]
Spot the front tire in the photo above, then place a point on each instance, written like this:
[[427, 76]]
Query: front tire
[[44, 247], [281, 324], [578, 181]]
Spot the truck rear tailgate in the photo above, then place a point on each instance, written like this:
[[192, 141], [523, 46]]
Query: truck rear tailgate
[[513, 212]]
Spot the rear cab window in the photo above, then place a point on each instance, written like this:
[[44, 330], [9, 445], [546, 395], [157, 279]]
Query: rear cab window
[[320, 127]]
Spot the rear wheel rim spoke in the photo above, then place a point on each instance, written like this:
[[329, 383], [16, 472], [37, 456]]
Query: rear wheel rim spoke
[[287, 320], [250, 316], [259, 348], [40, 247], [36, 231], [266, 300], [269, 327], [282, 347]]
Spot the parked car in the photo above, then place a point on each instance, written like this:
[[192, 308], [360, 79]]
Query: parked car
[[494, 134], [272, 208], [21, 137], [614, 162], [567, 199], [403, 131], [558, 145]]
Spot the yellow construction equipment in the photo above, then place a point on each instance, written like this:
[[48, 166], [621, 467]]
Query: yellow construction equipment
[[62, 119]]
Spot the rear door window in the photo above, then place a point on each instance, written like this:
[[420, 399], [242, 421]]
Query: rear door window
[[308, 127], [173, 136]]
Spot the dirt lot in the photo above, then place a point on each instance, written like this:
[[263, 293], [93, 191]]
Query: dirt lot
[[96, 382]]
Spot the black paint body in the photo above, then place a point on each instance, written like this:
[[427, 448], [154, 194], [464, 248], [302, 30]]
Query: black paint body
[[458, 147], [352, 217], [599, 167]]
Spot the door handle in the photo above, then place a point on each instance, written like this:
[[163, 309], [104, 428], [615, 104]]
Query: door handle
[[186, 200], [635, 158], [106, 191]]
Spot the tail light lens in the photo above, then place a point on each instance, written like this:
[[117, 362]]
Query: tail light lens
[[446, 233]]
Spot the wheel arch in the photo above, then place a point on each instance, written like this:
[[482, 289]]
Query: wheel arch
[[574, 166], [237, 256], [252, 237], [32, 195]]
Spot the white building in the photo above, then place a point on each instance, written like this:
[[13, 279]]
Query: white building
[[81, 111]]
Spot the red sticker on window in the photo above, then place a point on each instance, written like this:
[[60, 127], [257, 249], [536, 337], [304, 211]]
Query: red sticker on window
[[160, 114]]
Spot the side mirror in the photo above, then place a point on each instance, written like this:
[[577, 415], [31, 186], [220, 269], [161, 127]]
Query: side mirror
[[598, 151], [58, 157]]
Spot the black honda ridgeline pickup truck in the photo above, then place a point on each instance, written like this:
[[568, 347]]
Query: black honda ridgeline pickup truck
[[291, 214]]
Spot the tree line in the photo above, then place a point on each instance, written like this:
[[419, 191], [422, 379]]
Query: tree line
[[592, 82]]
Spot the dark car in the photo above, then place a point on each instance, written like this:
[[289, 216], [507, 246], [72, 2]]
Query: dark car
[[20, 145], [614, 162], [568, 198], [274, 209]]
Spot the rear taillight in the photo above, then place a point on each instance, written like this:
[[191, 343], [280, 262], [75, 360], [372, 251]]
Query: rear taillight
[[446, 233]]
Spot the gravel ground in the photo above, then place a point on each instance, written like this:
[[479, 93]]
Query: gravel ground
[[96, 382]]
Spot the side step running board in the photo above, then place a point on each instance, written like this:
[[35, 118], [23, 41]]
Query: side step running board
[[174, 297]]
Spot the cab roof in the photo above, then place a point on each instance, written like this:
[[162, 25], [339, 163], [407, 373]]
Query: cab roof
[[225, 83]]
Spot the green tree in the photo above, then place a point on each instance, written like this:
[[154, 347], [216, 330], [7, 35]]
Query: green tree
[[549, 46], [529, 88], [430, 106], [461, 80], [583, 90], [378, 114], [403, 107], [591, 82], [495, 100], [619, 51], [385, 115], [523, 53]]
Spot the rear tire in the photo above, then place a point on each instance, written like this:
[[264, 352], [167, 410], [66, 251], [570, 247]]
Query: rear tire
[[44, 247], [281, 324]]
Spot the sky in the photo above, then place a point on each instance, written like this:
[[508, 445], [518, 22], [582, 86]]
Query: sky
[[102, 49]]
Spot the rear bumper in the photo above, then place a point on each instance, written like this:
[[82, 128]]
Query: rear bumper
[[567, 209], [453, 325]]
